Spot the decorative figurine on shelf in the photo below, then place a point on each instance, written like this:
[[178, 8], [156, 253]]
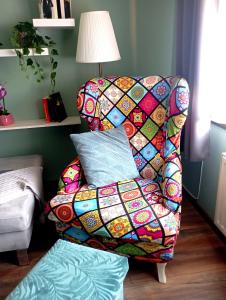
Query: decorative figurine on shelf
[[45, 8], [5, 117], [40, 9]]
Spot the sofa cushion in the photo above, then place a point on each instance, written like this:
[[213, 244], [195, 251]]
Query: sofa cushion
[[16, 215], [105, 156]]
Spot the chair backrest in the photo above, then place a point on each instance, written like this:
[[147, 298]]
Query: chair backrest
[[152, 110]]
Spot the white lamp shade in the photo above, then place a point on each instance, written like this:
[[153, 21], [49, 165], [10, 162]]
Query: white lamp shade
[[96, 39]]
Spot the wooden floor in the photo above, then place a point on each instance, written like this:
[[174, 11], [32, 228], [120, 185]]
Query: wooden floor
[[197, 272]]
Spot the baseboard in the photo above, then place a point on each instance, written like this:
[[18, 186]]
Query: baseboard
[[208, 220]]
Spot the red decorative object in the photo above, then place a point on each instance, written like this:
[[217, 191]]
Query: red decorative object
[[6, 120], [46, 110]]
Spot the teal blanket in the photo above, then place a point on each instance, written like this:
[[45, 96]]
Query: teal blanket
[[70, 271]]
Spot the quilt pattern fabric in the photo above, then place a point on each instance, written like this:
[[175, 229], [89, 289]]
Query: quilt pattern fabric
[[138, 217]]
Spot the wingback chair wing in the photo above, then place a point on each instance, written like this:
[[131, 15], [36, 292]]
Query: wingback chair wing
[[139, 218]]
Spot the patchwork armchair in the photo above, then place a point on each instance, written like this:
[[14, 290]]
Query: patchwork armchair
[[139, 218]]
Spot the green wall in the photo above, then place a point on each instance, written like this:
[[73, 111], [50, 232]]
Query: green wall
[[192, 177], [24, 96], [156, 35]]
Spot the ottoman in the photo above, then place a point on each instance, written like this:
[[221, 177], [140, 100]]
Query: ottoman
[[16, 215], [71, 271]]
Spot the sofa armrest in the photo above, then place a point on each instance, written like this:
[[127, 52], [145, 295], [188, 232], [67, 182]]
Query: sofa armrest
[[172, 182], [71, 178]]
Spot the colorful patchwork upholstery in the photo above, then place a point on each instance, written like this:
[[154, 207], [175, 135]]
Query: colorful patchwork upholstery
[[139, 217]]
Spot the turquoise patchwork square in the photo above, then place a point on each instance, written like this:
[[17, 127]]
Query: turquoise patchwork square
[[148, 151], [161, 90], [82, 207], [169, 148], [77, 233], [116, 117]]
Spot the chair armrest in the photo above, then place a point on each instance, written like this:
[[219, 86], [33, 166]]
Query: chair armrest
[[172, 182], [71, 178]]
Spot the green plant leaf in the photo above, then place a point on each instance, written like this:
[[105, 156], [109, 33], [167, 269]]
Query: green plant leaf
[[54, 52], [55, 64], [51, 43], [53, 75], [29, 62], [26, 51]]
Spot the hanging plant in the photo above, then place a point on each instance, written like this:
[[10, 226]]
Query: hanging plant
[[27, 42]]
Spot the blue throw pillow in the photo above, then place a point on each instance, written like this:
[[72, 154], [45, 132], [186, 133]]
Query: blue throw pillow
[[105, 156]]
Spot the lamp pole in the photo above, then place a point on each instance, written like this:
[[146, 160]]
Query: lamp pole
[[100, 69]]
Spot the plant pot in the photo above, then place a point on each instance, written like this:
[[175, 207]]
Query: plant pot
[[6, 120]]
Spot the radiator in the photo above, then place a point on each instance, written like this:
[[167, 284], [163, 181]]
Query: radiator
[[220, 212]]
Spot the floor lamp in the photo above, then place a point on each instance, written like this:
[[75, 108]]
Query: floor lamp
[[96, 39]]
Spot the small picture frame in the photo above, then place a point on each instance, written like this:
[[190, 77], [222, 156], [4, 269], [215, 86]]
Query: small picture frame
[[48, 9], [63, 8], [56, 108], [67, 8]]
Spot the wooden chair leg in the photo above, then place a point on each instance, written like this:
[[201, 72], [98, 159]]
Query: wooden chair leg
[[22, 257], [161, 272]]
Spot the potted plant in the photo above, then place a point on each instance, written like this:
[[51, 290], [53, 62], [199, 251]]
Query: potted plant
[[6, 118], [27, 42]]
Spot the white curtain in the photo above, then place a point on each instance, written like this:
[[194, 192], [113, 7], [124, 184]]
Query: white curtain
[[201, 56]]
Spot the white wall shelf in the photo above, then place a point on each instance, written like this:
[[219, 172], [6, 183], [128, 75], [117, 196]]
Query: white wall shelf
[[40, 123], [12, 52], [54, 23]]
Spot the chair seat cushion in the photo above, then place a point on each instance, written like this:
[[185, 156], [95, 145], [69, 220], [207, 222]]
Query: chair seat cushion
[[16, 215], [130, 210]]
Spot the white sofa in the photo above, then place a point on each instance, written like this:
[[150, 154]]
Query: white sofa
[[16, 216]]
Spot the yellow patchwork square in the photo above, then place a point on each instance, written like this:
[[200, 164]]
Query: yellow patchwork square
[[84, 195], [126, 105], [119, 227], [159, 115], [70, 173], [91, 221], [106, 124]]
